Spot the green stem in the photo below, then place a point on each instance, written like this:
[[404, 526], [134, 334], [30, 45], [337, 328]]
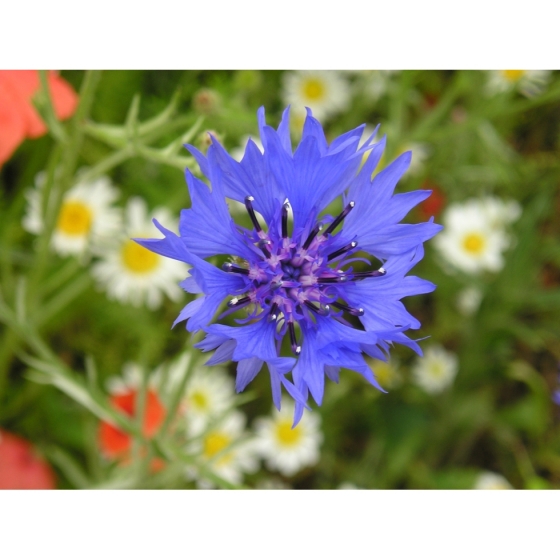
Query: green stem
[[51, 120]]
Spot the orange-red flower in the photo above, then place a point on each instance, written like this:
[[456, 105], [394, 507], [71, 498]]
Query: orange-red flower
[[20, 467], [18, 117], [113, 441], [433, 205]]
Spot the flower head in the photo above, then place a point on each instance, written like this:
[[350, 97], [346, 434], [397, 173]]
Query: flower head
[[18, 117], [528, 82], [296, 282], [124, 396], [325, 91], [283, 448], [475, 236], [86, 218], [208, 394], [436, 370], [223, 450], [130, 273]]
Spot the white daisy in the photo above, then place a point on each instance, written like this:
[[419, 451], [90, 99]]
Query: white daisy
[[220, 450], [527, 82], [210, 391], [468, 300], [85, 219], [325, 92], [132, 274], [473, 238], [487, 480], [436, 370], [287, 449]]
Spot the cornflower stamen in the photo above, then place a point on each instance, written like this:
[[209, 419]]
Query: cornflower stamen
[[339, 218], [238, 303], [249, 205], [230, 267], [370, 274], [323, 311], [285, 208], [296, 348], [312, 236], [358, 312], [273, 314], [345, 249]]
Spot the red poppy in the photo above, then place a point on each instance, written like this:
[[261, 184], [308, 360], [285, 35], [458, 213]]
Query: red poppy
[[18, 117], [113, 441], [20, 467], [433, 205]]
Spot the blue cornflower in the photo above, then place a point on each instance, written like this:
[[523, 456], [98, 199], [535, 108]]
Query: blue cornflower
[[294, 278]]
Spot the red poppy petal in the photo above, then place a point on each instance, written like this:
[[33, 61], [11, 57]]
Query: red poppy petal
[[64, 98], [12, 125], [20, 468]]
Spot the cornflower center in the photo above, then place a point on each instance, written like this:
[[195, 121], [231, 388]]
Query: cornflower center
[[297, 277]]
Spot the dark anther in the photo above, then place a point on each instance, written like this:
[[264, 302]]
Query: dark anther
[[344, 249], [339, 218], [273, 314], [285, 208], [332, 280], [324, 311], [229, 267], [370, 274], [249, 206], [352, 310], [312, 235], [263, 244], [236, 302], [296, 348]]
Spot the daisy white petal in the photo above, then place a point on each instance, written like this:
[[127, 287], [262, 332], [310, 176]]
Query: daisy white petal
[[488, 480]]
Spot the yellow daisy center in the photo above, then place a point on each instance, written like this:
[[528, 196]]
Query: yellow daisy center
[[474, 243], [437, 370], [286, 435], [513, 75], [314, 89], [214, 443], [138, 259], [74, 219], [200, 400]]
